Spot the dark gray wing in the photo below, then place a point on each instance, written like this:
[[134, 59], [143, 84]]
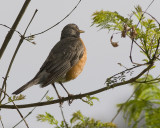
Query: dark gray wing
[[64, 55]]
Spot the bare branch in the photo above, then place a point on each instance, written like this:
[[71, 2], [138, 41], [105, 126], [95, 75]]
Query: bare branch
[[63, 116], [152, 17], [136, 27], [56, 23], [14, 55], [149, 81], [80, 96], [130, 56], [15, 108], [17, 32], [144, 12], [10, 33], [1, 122], [11, 29], [137, 44], [154, 56], [30, 21], [31, 110], [128, 69]]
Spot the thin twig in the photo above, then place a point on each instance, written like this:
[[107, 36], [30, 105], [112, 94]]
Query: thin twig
[[14, 26], [63, 116], [14, 55], [149, 5], [144, 13], [1, 123], [80, 96], [150, 50], [5, 88], [136, 27], [30, 21], [139, 121], [156, 80], [147, 82], [130, 56], [11, 29], [57, 22], [128, 69], [153, 17], [137, 44], [16, 108], [15, 31], [31, 110], [154, 56]]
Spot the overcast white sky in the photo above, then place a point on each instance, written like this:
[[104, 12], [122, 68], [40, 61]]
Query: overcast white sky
[[102, 57]]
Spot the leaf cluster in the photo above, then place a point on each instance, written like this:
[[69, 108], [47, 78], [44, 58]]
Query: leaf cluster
[[81, 121], [16, 98], [78, 120], [118, 77], [47, 117], [143, 111], [48, 98], [89, 100], [145, 33], [109, 20]]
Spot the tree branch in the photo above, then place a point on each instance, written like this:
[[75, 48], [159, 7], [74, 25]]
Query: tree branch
[[10, 33], [80, 96], [144, 13], [1, 122], [11, 29], [136, 27], [66, 124], [56, 23], [16, 108], [30, 111], [14, 55], [153, 18]]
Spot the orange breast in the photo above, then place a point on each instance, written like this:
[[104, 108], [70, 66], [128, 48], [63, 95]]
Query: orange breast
[[77, 69]]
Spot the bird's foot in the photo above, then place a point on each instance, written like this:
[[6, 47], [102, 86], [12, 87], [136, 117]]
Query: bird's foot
[[70, 98]]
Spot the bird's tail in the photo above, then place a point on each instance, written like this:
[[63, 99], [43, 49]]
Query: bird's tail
[[27, 85]]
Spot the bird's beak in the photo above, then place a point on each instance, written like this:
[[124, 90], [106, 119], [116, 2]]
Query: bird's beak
[[81, 31]]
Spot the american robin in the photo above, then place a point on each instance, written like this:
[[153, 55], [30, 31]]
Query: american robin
[[64, 63]]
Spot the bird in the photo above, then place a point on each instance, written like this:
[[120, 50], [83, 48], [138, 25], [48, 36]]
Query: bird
[[65, 61]]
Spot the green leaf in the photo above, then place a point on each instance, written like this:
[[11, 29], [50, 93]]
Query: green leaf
[[49, 98], [109, 20], [89, 100], [16, 98], [81, 121], [146, 33], [144, 105], [47, 118]]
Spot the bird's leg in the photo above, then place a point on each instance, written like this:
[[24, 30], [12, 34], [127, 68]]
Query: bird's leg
[[57, 93], [69, 95], [65, 89]]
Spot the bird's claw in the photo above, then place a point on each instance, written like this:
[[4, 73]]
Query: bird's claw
[[70, 98]]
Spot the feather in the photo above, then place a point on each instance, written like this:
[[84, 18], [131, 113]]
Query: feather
[[27, 85]]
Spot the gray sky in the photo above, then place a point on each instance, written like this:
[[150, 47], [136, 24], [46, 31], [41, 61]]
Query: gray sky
[[101, 63]]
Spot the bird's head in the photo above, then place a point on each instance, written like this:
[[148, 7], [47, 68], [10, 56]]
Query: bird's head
[[71, 30]]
